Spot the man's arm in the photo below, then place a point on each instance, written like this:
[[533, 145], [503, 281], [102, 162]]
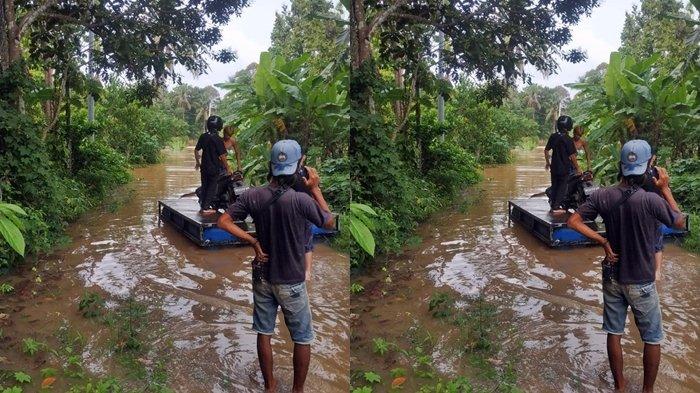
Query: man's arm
[[547, 149], [226, 223], [197, 159], [312, 184], [576, 223]]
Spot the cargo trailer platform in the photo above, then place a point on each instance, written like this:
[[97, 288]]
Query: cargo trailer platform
[[183, 214], [535, 216]]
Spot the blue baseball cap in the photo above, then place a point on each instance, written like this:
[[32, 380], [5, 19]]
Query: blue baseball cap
[[284, 157], [634, 156]]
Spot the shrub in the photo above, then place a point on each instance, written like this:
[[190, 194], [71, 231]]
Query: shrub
[[100, 167], [450, 167]]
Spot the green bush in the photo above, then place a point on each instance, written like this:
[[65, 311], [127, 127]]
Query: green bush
[[450, 167], [685, 183], [100, 167]]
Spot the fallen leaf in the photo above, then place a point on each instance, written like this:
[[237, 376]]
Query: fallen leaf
[[398, 382], [4, 316], [47, 382]]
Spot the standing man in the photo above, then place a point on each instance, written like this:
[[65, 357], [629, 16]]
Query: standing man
[[631, 217], [281, 215], [563, 161], [212, 162]]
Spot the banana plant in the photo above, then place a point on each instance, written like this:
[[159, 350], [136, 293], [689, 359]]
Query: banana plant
[[11, 226], [638, 100], [284, 101]]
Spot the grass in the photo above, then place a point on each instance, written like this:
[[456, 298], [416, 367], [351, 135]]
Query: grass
[[475, 339], [130, 334]]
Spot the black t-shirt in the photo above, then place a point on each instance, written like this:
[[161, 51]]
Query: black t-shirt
[[213, 146], [563, 147], [281, 229], [632, 230]]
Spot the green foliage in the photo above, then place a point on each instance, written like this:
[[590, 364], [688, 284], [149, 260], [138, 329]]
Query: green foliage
[[100, 167], [356, 288], [22, 377], [648, 30], [441, 305], [685, 183], [380, 346], [31, 346], [6, 288], [138, 132], [57, 176], [372, 377], [284, 100], [189, 106], [11, 226], [638, 100], [91, 305], [450, 167], [360, 222], [308, 26]]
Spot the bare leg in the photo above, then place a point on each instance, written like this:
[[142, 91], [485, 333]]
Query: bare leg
[[652, 358], [265, 359], [302, 357], [615, 359]]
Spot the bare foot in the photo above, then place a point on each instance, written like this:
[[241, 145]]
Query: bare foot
[[623, 386], [273, 387]]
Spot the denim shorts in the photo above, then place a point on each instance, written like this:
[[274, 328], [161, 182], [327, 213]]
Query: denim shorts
[[293, 300], [644, 301]]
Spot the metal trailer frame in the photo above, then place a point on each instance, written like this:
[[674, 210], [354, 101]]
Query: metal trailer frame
[[183, 214]]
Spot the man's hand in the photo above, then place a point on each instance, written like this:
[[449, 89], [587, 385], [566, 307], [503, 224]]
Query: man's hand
[[609, 253], [662, 182], [313, 181], [196, 166], [259, 253]]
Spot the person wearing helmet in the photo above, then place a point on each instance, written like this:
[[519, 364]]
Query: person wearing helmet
[[632, 217], [563, 161], [281, 214], [211, 162]]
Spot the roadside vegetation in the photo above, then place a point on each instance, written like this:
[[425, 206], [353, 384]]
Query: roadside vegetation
[[641, 94], [55, 163]]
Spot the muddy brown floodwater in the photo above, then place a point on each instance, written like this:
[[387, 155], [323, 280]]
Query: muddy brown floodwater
[[552, 297], [199, 300]]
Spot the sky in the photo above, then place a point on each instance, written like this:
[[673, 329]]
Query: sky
[[249, 34]]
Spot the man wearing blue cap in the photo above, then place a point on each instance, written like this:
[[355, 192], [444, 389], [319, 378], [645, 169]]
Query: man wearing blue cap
[[281, 215], [631, 217]]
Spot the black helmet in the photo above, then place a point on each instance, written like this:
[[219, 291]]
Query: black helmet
[[565, 123], [214, 123]]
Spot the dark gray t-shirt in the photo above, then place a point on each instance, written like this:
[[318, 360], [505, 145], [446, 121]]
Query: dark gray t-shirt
[[281, 228], [632, 229]]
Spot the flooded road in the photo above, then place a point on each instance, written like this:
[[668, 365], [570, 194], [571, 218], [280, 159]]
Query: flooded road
[[551, 298], [199, 300]]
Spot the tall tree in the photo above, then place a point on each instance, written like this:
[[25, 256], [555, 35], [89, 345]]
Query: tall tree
[[308, 26], [649, 29], [140, 40]]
